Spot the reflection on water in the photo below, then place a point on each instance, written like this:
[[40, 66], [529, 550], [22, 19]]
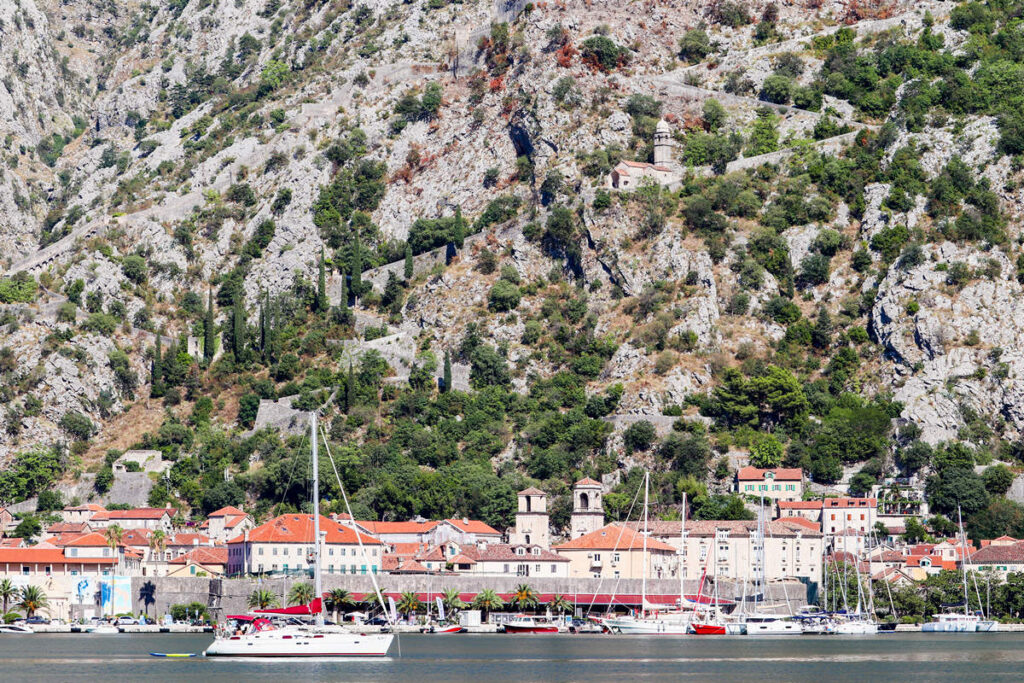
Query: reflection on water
[[497, 658]]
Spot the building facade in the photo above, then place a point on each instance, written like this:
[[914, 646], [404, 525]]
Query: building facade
[[780, 483], [617, 551], [532, 524], [587, 508], [499, 559]]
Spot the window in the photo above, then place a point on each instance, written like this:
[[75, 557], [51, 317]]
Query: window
[[833, 516], [48, 570], [261, 550], [343, 552], [106, 552], [330, 551], [351, 569], [616, 557], [363, 569], [330, 569], [597, 556], [193, 569], [74, 572], [554, 569], [275, 550], [520, 551], [285, 567], [25, 570], [536, 568], [505, 571], [862, 518], [72, 552]]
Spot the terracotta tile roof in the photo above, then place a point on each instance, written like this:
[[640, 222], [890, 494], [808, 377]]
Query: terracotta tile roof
[[532, 491], [395, 564], [642, 164], [500, 552], [234, 521], [296, 528], [188, 539], [136, 537], [473, 526], [12, 542], [418, 551], [892, 556], [88, 507], [922, 549], [137, 513], [800, 521], [999, 554], [398, 527], [67, 528], [203, 556], [780, 474], [93, 540], [226, 512], [612, 537], [48, 556], [800, 505], [850, 502], [587, 482], [61, 540]]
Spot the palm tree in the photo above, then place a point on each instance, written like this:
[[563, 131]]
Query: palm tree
[[452, 602], [114, 534], [261, 598], [338, 599], [33, 598], [158, 541], [301, 593], [7, 593], [486, 601], [409, 603], [560, 604], [523, 597]]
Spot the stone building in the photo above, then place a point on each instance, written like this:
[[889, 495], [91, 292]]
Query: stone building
[[587, 509], [665, 171], [532, 520]]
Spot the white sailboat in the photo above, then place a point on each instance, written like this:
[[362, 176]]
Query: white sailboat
[[954, 622], [261, 639], [762, 624]]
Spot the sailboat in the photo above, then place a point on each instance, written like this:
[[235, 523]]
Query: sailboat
[[763, 624], [954, 622], [260, 638], [649, 622], [856, 623]]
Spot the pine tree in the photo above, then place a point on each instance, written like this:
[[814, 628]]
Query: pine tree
[[238, 328], [459, 231], [321, 286], [447, 373], [408, 261], [356, 268], [208, 330], [350, 389]]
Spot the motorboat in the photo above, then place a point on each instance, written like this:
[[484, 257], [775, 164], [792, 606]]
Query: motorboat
[[856, 627], [16, 629], [526, 623], [102, 629], [951, 623], [442, 630], [664, 624], [772, 625], [709, 629]]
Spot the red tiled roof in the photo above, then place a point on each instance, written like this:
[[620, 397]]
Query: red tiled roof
[[88, 507], [137, 513], [230, 510], [93, 540], [799, 504], [188, 539], [67, 528], [800, 521], [587, 482], [136, 537], [532, 491], [295, 528], [612, 537], [999, 554], [395, 564], [12, 542], [499, 552], [203, 556], [850, 502], [473, 526], [737, 528], [48, 556], [780, 474], [398, 527]]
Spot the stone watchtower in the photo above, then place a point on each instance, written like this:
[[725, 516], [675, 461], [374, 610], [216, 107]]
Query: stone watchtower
[[664, 145], [587, 510], [532, 519]]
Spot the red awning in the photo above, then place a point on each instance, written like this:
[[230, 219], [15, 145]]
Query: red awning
[[624, 599], [314, 607], [240, 617]]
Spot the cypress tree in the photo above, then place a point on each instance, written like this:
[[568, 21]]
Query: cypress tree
[[350, 389], [238, 328], [447, 373], [459, 231], [343, 295], [156, 372], [356, 268], [321, 286], [263, 328], [408, 261], [208, 330]]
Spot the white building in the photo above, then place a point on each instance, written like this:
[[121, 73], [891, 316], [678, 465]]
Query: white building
[[665, 171], [587, 508], [532, 523], [488, 559], [137, 518], [228, 522], [285, 545]]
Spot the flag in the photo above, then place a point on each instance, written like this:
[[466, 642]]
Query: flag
[[440, 608]]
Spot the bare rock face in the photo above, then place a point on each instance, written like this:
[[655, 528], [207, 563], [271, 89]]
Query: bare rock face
[[963, 346]]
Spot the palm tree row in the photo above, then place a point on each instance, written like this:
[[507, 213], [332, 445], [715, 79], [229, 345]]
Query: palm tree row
[[30, 598]]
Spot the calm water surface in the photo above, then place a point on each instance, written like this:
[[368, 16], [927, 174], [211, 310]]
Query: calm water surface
[[497, 658]]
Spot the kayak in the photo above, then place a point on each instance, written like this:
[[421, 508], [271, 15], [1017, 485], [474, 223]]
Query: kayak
[[173, 654]]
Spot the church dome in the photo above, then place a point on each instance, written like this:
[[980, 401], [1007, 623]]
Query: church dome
[[663, 127]]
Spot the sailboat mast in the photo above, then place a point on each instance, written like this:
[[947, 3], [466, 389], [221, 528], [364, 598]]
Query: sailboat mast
[[963, 558], [682, 552], [318, 588], [643, 585]]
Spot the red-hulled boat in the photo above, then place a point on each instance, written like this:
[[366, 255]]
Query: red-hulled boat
[[708, 629], [525, 623]]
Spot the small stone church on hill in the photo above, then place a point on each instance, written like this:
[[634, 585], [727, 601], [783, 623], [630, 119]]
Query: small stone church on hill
[[629, 175]]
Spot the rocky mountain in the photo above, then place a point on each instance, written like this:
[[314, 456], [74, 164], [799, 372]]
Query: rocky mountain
[[190, 187]]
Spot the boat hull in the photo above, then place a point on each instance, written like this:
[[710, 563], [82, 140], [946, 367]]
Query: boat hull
[[856, 628], [647, 627], [774, 628], [709, 629], [301, 644], [540, 628]]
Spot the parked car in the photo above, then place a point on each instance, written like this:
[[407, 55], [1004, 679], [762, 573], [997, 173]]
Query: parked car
[[126, 621], [37, 620]]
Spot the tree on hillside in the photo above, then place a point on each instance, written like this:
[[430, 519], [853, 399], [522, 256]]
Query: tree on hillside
[[208, 330]]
